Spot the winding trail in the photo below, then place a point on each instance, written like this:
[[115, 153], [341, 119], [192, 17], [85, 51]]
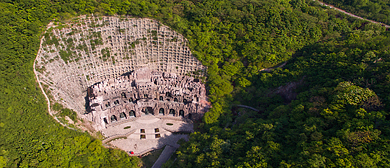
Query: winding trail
[[170, 149], [332, 7], [350, 14], [248, 107], [43, 91], [272, 68]]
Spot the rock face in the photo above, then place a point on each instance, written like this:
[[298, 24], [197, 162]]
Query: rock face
[[145, 92], [89, 50]]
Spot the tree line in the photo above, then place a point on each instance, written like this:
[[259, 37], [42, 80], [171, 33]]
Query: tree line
[[335, 114], [378, 10]]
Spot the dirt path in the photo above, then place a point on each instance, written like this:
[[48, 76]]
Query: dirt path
[[350, 14], [335, 8], [271, 68], [248, 107], [43, 91]]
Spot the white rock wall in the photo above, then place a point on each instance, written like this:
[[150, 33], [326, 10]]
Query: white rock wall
[[132, 43]]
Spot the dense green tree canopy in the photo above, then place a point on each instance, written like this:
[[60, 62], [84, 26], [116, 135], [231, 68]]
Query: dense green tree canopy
[[378, 10], [327, 107]]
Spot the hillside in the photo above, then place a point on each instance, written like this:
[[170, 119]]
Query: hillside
[[327, 107], [87, 50], [376, 10]]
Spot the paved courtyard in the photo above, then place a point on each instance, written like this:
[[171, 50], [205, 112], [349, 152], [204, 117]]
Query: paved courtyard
[[147, 133]]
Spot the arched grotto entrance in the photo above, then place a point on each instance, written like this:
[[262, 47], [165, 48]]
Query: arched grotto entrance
[[148, 111], [171, 112], [113, 118], [161, 111], [122, 116], [132, 113]]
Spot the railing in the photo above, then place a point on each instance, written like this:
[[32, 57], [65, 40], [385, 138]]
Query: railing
[[176, 118], [179, 131], [121, 122], [143, 152], [118, 136]]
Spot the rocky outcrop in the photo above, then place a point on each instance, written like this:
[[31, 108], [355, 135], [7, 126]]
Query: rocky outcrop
[[88, 50], [145, 92]]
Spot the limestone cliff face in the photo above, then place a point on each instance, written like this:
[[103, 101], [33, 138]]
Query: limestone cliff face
[[145, 92], [89, 50]]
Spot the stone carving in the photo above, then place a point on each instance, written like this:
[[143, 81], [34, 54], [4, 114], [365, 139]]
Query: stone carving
[[88, 50], [128, 76], [146, 92]]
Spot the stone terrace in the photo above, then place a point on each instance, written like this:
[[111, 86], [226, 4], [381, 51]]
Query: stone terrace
[[145, 92], [93, 49]]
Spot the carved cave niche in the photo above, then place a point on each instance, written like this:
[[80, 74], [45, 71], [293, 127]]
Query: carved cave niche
[[171, 112], [132, 113], [122, 116], [123, 95], [161, 111], [113, 118], [148, 111]]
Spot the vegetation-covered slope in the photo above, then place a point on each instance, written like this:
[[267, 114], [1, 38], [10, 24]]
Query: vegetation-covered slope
[[378, 10], [338, 119], [339, 66], [29, 136]]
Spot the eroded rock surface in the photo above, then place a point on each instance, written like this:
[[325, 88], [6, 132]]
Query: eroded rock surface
[[134, 79], [89, 50], [145, 92]]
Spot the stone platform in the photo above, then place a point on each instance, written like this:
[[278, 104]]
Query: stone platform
[[169, 134]]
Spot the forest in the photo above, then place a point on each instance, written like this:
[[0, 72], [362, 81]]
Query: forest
[[378, 10], [328, 106]]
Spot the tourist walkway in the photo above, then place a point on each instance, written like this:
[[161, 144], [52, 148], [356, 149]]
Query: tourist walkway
[[350, 14], [164, 156], [147, 133]]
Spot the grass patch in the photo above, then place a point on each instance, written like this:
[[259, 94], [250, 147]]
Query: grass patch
[[62, 112], [127, 127], [148, 160], [169, 124]]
